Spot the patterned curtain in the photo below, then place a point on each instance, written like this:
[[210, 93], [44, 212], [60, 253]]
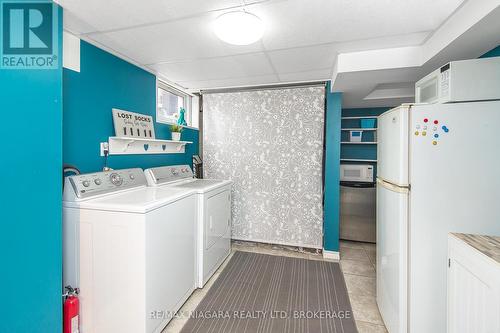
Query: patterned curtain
[[270, 143]]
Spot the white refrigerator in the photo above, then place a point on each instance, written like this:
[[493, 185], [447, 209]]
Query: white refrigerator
[[438, 172]]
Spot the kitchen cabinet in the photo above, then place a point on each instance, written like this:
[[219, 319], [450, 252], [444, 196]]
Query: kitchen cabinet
[[473, 284]]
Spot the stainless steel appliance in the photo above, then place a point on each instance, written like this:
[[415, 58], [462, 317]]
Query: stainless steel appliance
[[357, 203]]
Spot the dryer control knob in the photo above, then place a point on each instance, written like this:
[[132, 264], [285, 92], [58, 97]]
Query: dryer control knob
[[86, 183], [132, 177], [97, 181], [116, 179]]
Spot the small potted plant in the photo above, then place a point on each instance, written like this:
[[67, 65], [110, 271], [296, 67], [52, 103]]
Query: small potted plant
[[176, 132]]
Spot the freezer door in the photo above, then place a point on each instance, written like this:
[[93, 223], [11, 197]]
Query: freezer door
[[392, 151], [455, 186], [392, 222]]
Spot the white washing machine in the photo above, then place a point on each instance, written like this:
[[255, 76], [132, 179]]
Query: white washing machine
[[213, 214], [129, 248]]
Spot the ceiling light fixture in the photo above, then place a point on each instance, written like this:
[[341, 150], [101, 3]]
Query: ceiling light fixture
[[239, 28]]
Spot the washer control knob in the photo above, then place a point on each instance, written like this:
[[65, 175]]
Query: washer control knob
[[132, 177], [116, 179], [86, 183], [97, 181]]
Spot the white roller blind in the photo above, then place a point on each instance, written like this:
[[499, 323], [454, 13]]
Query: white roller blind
[[270, 143]]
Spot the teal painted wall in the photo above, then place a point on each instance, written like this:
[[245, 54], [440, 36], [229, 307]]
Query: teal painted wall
[[332, 170], [107, 82], [492, 53], [30, 239]]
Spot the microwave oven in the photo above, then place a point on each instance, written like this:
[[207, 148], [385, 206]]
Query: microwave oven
[[461, 81], [356, 173]]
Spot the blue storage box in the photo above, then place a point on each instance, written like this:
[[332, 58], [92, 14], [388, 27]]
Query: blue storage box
[[368, 123]]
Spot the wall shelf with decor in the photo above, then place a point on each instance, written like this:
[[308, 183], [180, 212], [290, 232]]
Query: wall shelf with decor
[[358, 129], [364, 149], [358, 160], [360, 117], [359, 143], [130, 146]]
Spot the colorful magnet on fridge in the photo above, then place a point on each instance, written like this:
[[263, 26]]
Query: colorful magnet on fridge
[[434, 143], [424, 133], [416, 133]]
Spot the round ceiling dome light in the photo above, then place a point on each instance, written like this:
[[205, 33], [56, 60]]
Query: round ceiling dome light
[[239, 28]]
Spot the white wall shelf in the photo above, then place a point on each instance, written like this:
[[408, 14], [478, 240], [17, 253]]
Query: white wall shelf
[[358, 129], [129, 146], [358, 143], [357, 160], [360, 117], [367, 152]]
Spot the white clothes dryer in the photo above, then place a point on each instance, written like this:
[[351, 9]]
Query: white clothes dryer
[[213, 214]]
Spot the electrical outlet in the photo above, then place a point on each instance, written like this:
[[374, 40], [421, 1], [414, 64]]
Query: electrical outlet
[[104, 148]]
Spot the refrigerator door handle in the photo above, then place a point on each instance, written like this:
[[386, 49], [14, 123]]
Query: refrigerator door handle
[[392, 187]]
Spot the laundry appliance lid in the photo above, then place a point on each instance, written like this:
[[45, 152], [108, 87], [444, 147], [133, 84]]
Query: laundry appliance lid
[[202, 185], [141, 200]]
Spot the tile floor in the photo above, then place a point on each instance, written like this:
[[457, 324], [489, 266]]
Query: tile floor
[[357, 261]]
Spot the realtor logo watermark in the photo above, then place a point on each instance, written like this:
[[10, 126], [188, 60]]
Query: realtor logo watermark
[[29, 35]]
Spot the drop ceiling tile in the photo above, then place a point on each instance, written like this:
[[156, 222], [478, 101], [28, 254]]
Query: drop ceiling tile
[[76, 25], [299, 23], [172, 42], [232, 82], [304, 58], [314, 75], [255, 64], [118, 14]]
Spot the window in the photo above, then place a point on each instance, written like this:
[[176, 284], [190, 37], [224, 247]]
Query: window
[[169, 102]]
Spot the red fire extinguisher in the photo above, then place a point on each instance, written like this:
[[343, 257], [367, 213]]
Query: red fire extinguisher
[[71, 310]]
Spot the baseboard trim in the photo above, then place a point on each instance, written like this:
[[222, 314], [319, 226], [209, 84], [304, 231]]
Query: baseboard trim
[[332, 255], [306, 246]]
